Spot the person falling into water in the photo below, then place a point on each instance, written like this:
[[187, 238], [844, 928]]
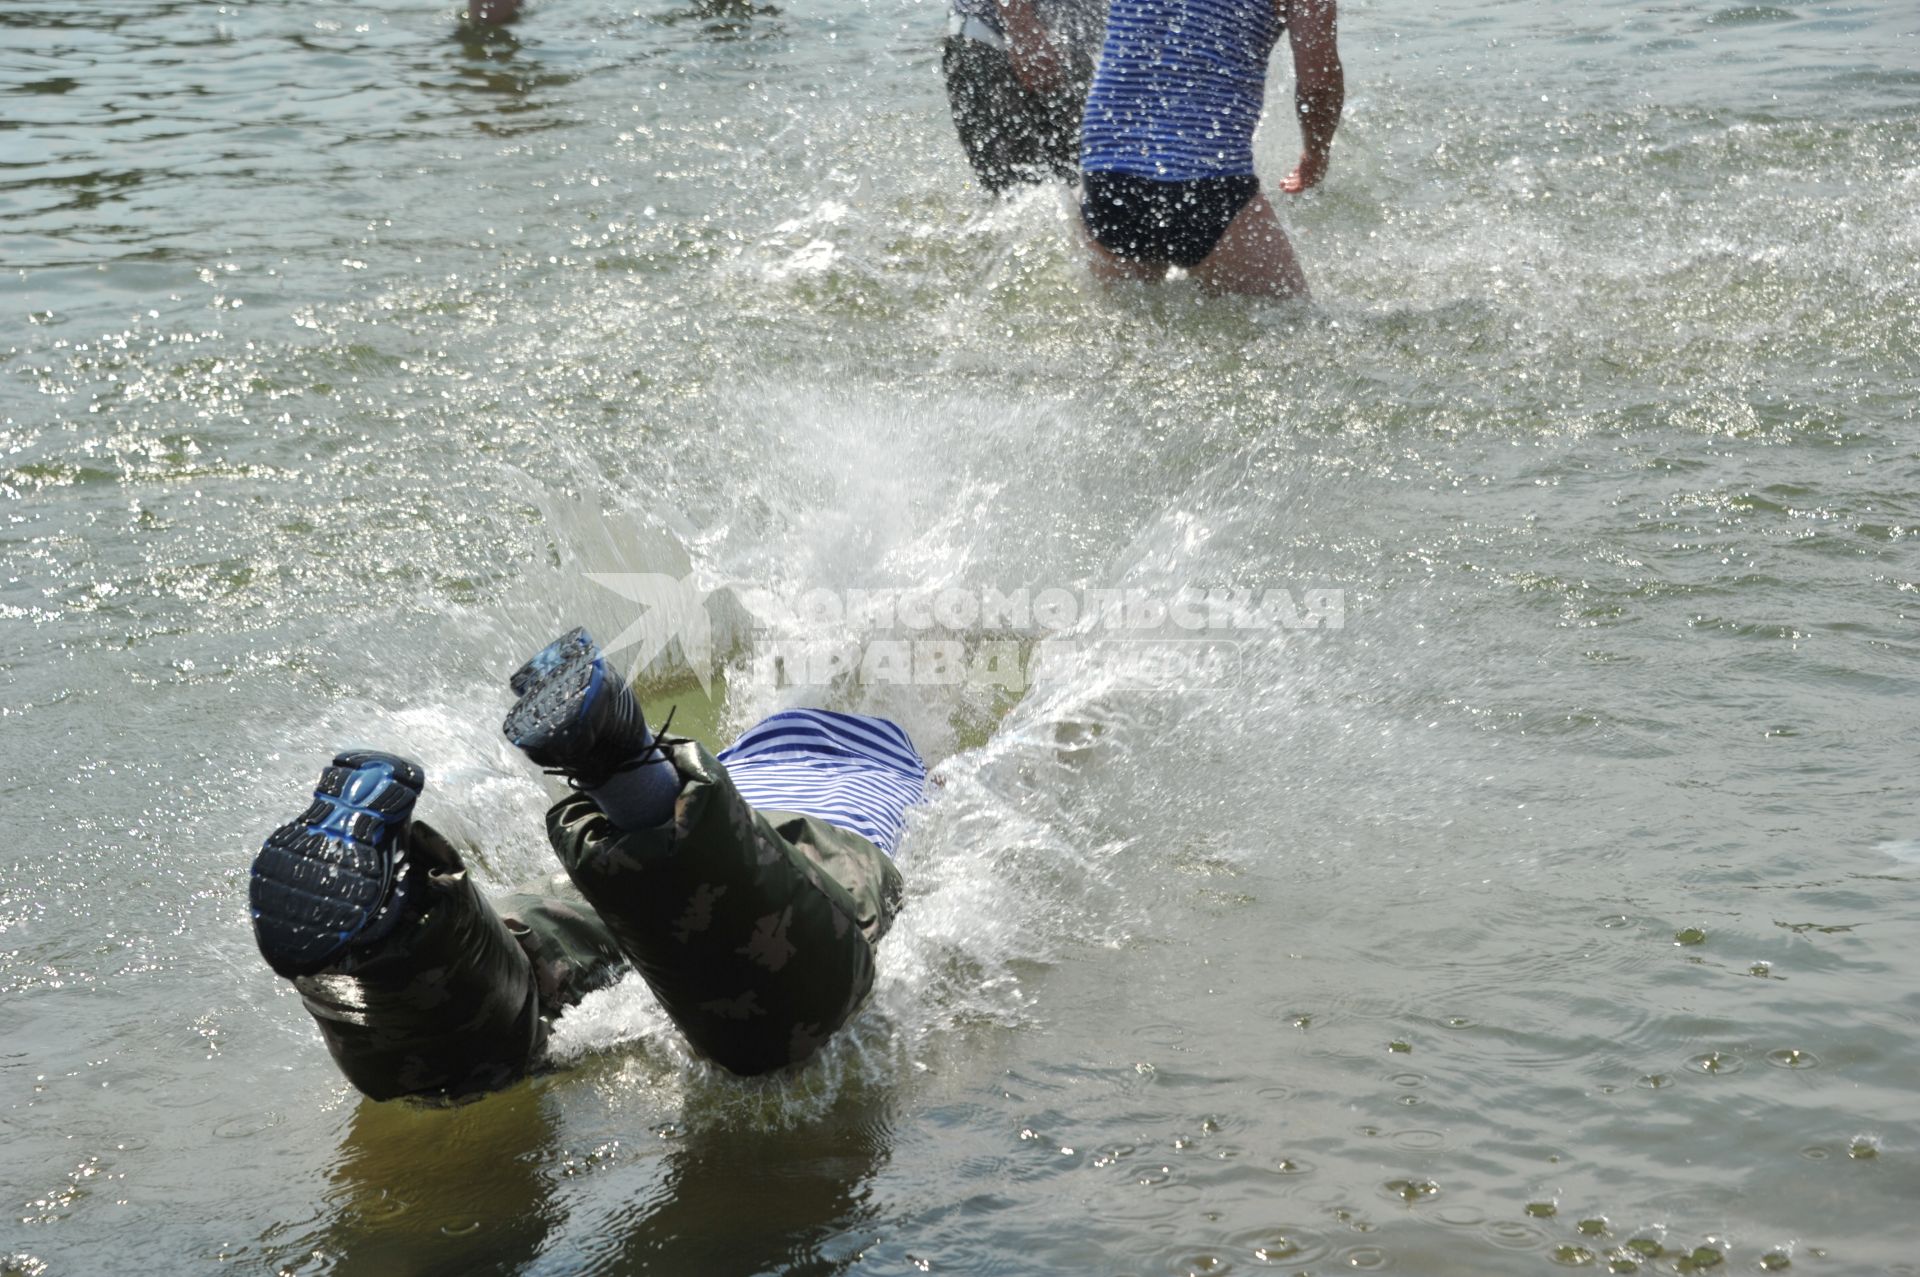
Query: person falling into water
[[1166, 149], [749, 890], [1017, 73]]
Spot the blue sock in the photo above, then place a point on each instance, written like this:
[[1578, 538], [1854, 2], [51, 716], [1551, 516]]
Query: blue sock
[[642, 797]]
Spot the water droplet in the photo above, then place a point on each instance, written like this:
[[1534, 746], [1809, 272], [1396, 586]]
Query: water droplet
[[1412, 1190], [1542, 1210], [1690, 935], [1573, 1256], [1775, 1260], [1864, 1148], [1791, 1057], [1716, 1063], [1402, 1048], [1277, 1249], [1593, 1227], [1654, 1081]]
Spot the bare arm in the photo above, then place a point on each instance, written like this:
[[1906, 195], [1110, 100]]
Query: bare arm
[[1319, 85], [1037, 62]]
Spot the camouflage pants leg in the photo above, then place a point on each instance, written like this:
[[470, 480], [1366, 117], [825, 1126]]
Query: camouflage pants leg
[[457, 1001], [755, 930]]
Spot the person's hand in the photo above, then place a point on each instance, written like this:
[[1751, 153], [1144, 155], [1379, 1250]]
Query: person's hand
[[1307, 173]]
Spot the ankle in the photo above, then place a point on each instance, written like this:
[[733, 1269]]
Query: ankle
[[640, 796]]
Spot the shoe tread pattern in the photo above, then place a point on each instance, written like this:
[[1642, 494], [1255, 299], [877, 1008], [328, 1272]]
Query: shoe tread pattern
[[319, 880], [551, 688]]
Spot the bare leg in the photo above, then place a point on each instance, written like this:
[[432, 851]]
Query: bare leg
[[1253, 257], [1109, 269]]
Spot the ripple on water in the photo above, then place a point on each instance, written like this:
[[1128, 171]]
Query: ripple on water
[[1458, 1215], [1716, 1064], [1513, 1234], [1417, 1140], [1410, 1191], [1792, 1057], [1746, 15], [244, 1125], [1278, 1245]]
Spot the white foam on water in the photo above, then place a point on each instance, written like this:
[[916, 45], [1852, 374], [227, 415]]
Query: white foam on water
[[1905, 850], [999, 877]]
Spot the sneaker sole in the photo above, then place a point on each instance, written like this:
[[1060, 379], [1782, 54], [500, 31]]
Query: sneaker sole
[[556, 688], [549, 658], [323, 880]]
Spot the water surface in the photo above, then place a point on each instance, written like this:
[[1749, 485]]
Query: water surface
[[1560, 909]]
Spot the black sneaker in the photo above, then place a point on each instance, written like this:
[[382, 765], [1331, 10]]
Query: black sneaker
[[339, 874], [575, 716]]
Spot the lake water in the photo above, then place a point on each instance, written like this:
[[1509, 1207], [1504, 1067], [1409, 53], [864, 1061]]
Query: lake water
[[1561, 906]]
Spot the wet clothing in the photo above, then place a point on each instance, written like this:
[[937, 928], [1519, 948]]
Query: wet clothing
[[849, 770], [1011, 134], [1179, 223], [1179, 88], [1166, 144], [755, 929]]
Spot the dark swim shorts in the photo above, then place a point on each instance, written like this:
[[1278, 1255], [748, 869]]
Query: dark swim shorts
[[1139, 219]]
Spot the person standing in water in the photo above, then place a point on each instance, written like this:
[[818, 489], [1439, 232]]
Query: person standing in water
[[1017, 73], [1166, 149], [750, 890], [492, 13]]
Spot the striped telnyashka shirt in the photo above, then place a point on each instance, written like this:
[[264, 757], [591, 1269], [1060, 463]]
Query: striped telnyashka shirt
[[1179, 87], [849, 770]]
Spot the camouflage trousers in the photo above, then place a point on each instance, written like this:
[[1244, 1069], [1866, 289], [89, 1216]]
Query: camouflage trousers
[[755, 930]]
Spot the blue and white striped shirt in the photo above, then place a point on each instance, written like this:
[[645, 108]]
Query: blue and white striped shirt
[[1179, 88], [849, 770]]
